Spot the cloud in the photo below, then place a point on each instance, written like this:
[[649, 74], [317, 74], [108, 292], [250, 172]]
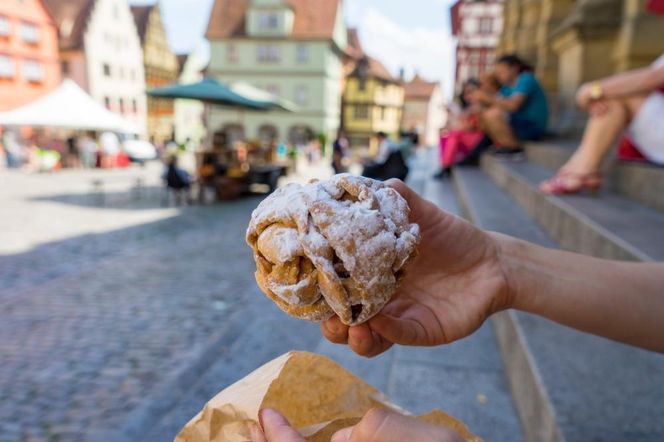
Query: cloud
[[428, 51]]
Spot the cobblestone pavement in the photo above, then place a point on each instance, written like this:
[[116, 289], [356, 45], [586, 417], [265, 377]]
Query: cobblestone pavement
[[124, 332]]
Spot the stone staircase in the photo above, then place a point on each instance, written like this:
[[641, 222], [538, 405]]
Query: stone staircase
[[566, 385]]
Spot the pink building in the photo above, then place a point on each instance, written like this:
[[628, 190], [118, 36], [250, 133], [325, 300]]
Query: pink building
[[477, 25], [29, 62]]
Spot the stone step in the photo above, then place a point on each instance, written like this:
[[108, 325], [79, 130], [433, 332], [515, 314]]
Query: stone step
[[567, 386], [608, 226], [641, 182]]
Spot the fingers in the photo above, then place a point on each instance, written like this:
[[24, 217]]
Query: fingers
[[389, 426], [275, 428], [363, 341], [334, 330], [399, 331], [360, 338]]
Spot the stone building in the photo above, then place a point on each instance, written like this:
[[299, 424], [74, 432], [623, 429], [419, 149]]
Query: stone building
[[571, 42], [477, 26], [161, 68], [372, 100], [29, 61], [101, 51]]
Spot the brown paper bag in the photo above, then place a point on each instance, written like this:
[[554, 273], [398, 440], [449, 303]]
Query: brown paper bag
[[316, 395]]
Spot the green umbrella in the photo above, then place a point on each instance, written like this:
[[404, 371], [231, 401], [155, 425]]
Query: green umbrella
[[210, 91]]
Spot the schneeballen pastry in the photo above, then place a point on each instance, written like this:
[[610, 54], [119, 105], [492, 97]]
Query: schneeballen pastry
[[332, 247]]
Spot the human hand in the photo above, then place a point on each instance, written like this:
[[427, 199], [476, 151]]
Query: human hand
[[377, 425], [452, 286], [584, 96]]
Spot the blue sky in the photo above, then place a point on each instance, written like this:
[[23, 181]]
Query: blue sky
[[414, 34]]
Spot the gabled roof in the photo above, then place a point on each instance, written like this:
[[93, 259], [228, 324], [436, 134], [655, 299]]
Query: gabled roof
[[182, 60], [141, 18], [71, 18], [314, 19], [419, 88]]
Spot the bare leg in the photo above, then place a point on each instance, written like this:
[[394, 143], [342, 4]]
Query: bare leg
[[495, 124], [600, 134], [602, 130]]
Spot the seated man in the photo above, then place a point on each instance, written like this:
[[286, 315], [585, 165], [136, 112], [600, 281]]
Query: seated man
[[389, 162], [519, 112], [633, 101]]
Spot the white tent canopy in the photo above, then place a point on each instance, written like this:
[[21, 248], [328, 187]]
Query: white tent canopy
[[68, 107]]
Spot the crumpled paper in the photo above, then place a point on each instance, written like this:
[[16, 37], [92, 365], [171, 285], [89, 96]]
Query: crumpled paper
[[317, 396]]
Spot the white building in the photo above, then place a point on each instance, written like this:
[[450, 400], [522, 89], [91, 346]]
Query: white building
[[477, 25], [101, 51]]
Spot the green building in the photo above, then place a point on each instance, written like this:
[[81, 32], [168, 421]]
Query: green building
[[291, 48]]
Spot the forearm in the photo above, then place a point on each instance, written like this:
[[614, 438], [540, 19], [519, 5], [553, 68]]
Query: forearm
[[639, 81], [619, 300]]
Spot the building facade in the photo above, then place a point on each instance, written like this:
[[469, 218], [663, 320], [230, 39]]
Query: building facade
[[189, 114], [423, 110], [29, 60], [161, 68], [291, 48], [101, 51], [477, 26], [572, 42], [372, 98]]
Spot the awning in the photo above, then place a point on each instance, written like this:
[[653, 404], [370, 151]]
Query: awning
[[207, 90], [68, 107]]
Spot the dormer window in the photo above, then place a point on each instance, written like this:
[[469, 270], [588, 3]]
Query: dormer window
[[268, 20]]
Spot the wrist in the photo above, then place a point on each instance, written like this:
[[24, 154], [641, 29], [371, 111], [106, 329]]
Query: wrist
[[516, 271]]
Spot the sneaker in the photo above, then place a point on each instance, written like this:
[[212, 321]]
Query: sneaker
[[510, 153]]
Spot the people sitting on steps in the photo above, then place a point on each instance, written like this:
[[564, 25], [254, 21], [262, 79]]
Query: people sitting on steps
[[464, 131], [631, 102], [518, 113]]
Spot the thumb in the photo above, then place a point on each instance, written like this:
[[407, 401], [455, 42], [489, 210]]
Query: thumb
[[388, 426], [398, 330], [277, 428]]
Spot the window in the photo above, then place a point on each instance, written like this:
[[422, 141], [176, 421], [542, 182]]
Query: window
[[268, 20], [122, 105], [231, 53], [121, 73], [361, 111], [116, 11], [4, 26], [107, 70], [362, 85], [29, 33], [6, 67], [486, 25], [302, 53], [268, 53], [33, 71], [301, 95], [134, 105], [382, 113], [107, 102]]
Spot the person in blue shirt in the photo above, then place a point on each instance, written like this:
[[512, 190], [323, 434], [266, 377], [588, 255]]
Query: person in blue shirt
[[519, 112]]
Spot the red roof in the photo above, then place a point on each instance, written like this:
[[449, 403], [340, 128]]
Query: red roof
[[141, 18], [419, 89], [71, 18], [314, 19]]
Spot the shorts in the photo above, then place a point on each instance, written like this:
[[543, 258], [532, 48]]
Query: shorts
[[646, 128], [525, 129]]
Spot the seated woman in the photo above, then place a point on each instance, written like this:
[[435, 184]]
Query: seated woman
[[633, 101], [464, 129], [519, 112]]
